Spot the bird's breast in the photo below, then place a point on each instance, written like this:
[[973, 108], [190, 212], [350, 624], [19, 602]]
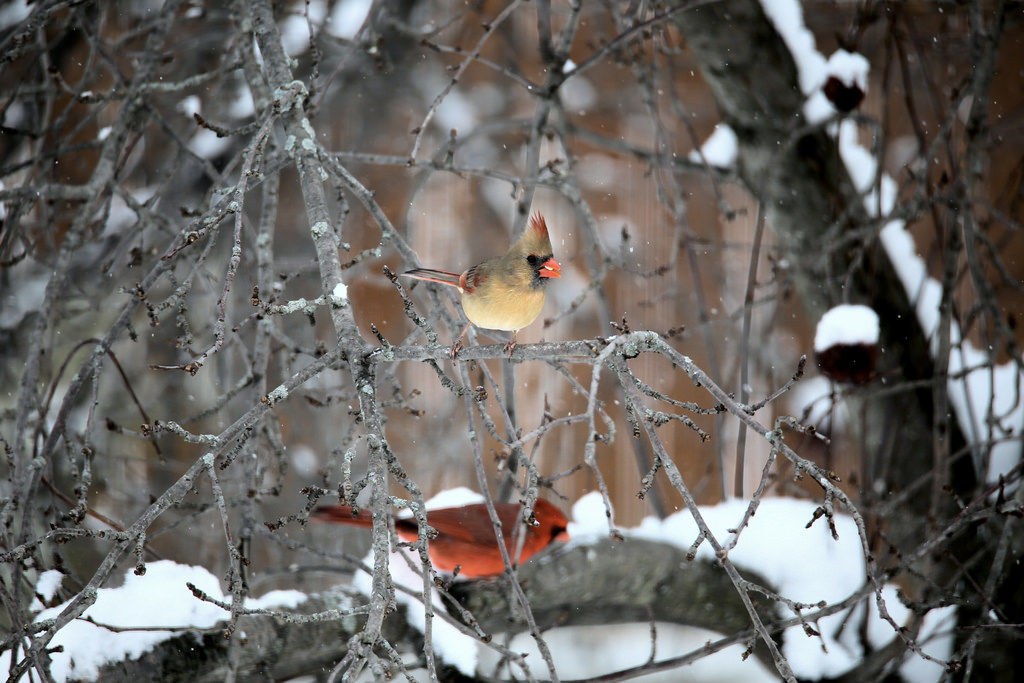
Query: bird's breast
[[495, 308]]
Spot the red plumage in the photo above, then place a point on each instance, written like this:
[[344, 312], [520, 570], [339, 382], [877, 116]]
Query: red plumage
[[465, 535]]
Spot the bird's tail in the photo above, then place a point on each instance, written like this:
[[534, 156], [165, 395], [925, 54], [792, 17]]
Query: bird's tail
[[440, 276], [343, 514]]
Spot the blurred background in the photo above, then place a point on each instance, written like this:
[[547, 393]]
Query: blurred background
[[649, 237]]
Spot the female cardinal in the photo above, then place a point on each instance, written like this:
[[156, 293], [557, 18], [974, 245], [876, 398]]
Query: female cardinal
[[465, 536], [504, 292]]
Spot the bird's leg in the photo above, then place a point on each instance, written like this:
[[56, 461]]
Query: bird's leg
[[510, 345], [457, 344]]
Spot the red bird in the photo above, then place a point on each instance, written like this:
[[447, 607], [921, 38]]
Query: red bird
[[503, 292], [465, 536]]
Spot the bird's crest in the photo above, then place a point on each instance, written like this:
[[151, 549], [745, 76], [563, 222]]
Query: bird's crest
[[538, 225]]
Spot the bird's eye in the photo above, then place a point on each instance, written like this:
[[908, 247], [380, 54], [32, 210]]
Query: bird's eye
[[532, 260]]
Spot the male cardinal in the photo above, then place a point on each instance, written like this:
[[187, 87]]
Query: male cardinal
[[503, 292], [465, 536]]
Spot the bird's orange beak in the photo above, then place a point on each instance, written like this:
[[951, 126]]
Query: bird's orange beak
[[550, 268]]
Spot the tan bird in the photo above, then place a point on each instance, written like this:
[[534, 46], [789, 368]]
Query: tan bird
[[503, 292]]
